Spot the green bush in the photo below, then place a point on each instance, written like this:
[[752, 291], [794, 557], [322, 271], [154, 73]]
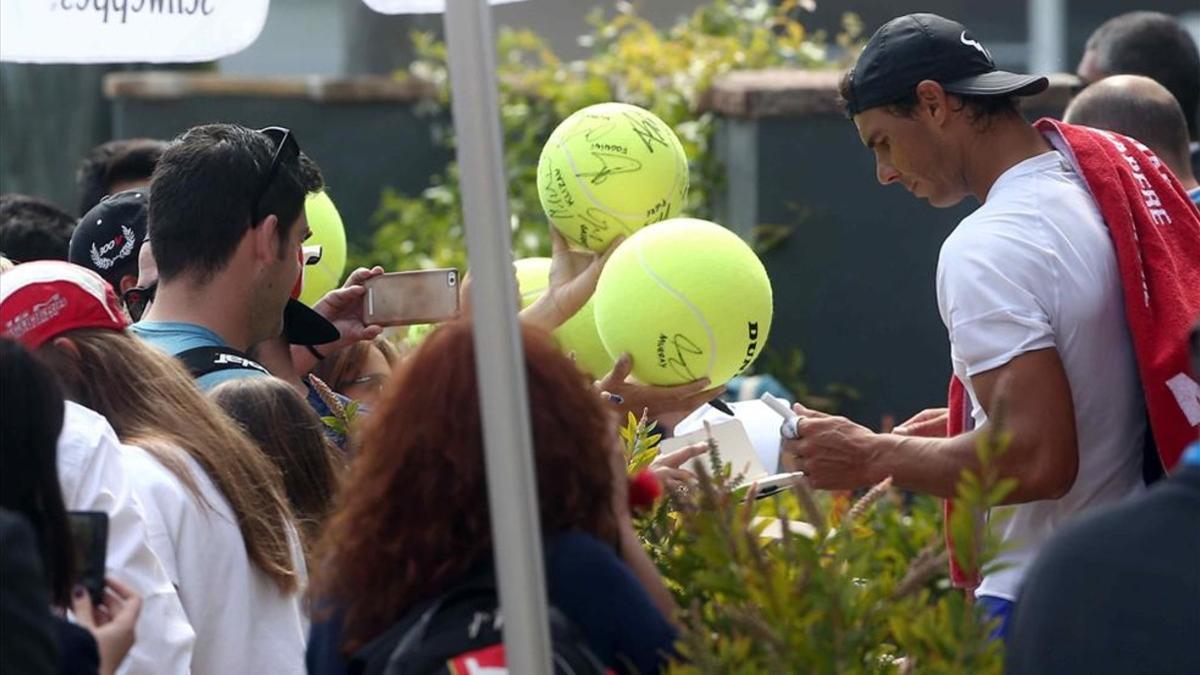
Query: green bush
[[667, 72], [856, 588]]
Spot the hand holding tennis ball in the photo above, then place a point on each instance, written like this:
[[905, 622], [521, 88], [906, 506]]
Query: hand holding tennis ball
[[666, 404], [571, 276]]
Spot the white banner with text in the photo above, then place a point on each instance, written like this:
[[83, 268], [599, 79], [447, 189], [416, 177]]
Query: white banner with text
[[418, 6], [125, 31]]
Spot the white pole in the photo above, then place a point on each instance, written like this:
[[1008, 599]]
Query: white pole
[[1047, 36], [499, 358]]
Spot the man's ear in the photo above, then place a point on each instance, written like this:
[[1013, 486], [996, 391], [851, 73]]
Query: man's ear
[[931, 101], [265, 239], [67, 345]]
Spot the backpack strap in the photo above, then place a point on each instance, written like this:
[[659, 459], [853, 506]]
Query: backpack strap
[[201, 361], [408, 632], [393, 652]]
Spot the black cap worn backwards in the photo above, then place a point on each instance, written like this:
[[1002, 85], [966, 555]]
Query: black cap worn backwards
[[917, 47], [109, 236]]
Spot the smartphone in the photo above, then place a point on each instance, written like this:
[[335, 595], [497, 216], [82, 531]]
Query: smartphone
[[407, 298], [89, 530]]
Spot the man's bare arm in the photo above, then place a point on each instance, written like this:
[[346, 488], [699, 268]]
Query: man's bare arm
[[1043, 453], [1043, 456]]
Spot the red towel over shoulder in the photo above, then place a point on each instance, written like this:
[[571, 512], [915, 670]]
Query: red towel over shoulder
[[1155, 231]]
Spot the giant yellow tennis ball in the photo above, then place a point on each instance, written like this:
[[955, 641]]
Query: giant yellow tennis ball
[[328, 232], [686, 299], [578, 335], [533, 276], [608, 170]]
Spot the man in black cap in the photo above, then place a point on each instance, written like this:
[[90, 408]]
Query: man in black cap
[[109, 237], [1028, 287]]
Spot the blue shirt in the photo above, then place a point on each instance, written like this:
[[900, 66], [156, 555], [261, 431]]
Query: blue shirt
[[175, 337], [588, 583], [1195, 196]]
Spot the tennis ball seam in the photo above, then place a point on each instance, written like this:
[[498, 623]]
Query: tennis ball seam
[[712, 339]]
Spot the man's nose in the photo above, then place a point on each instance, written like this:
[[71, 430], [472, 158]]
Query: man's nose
[[885, 172]]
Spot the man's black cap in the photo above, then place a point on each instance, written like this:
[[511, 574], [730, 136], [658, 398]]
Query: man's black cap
[[109, 236], [917, 47]]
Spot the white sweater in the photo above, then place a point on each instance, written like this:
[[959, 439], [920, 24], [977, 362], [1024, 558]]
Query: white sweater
[[243, 623], [93, 478]]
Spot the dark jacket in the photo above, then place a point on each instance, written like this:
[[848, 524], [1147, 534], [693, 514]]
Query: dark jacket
[[32, 640], [1118, 592]]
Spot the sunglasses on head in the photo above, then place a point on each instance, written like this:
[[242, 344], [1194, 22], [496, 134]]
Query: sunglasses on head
[[137, 299], [285, 143]]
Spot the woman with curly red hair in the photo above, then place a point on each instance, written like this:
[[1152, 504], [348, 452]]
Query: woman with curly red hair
[[412, 519]]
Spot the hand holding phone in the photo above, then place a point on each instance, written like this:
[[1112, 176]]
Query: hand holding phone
[[111, 623], [407, 298]]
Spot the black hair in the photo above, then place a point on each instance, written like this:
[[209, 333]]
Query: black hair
[[846, 92], [204, 196], [1157, 46], [115, 162], [981, 109], [33, 229], [29, 428]]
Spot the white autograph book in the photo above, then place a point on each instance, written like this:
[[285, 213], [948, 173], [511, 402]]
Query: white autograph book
[[737, 450]]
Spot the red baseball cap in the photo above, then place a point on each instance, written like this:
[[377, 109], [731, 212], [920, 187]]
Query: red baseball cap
[[43, 299]]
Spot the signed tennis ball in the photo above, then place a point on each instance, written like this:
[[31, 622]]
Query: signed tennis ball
[[328, 233], [610, 169], [686, 299], [578, 335]]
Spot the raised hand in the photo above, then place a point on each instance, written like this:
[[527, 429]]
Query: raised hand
[[573, 277], [833, 452], [665, 404]]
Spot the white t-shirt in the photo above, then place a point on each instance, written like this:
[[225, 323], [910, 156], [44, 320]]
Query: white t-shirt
[[243, 623], [92, 478], [1033, 268]]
